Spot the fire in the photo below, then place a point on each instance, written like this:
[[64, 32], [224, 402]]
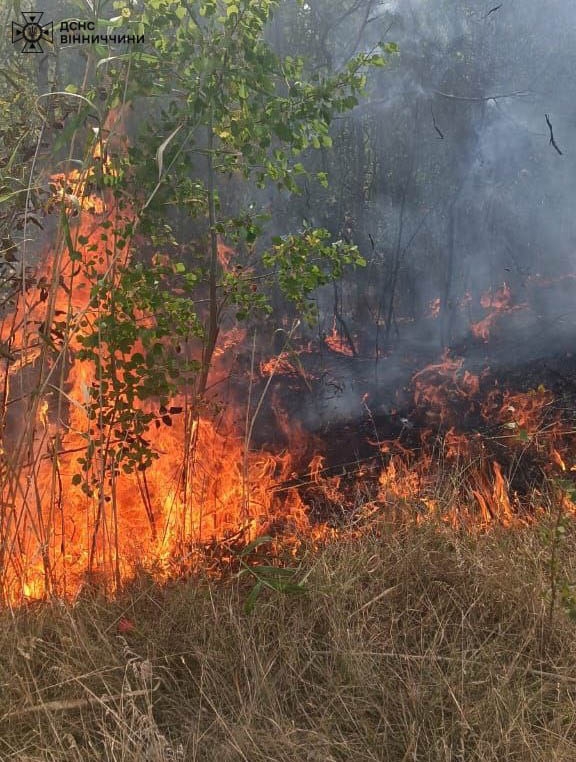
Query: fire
[[225, 255], [339, 343], [465, 438], [58, 532], [493, 497], [514, 426], [436, 385], [499, 302], [287, 363], [282, 364]]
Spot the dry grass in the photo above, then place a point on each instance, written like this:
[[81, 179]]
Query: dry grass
[[420, 644]]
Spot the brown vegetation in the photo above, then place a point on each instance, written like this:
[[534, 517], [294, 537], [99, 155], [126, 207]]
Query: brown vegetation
[[418, 644]]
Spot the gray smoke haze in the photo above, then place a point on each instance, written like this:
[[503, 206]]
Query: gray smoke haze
[[463, 137], [444, 176], [464, 192]]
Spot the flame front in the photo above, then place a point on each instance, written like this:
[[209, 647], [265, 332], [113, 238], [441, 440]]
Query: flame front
[[207, 485]]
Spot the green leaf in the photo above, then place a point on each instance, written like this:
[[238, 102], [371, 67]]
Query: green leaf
[[264, 540], [274, 572], [252, 597], [378, 61], [8, 196]]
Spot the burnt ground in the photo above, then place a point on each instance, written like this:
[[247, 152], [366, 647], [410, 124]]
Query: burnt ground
[[349, 406]]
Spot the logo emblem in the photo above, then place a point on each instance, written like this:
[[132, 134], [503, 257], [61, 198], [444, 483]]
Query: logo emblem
[[32, 32]]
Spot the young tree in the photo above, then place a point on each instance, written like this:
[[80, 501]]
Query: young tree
[[229, 117]]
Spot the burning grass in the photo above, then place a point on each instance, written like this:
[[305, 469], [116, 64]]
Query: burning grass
[[105, 466], [422, 643], [413, 642]]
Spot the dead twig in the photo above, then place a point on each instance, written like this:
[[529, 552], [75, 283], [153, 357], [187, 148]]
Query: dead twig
[[481, 99], [552, 140], [493, 10], [66, 706], [440, 133]]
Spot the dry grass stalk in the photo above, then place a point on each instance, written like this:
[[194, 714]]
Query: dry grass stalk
[[452, 663]]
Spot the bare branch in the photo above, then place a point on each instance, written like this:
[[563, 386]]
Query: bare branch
[[552, 140], [482, 99], [493, 10], [440, 133], [66, 706]]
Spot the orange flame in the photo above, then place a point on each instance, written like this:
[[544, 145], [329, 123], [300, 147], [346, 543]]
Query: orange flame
[[207, 484], [499, 302], [338, 343]]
